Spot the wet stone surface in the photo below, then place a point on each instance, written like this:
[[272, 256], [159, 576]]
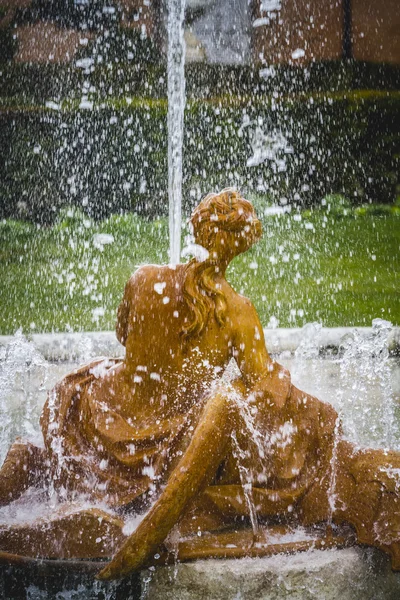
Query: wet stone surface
[[348, 574]]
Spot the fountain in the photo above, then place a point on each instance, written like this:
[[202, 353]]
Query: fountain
[[197, 445]]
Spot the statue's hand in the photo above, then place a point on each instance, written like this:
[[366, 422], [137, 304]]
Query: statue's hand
[[130, 558]]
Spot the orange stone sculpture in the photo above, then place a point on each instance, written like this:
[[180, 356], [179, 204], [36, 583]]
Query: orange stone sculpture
[[164, 430]]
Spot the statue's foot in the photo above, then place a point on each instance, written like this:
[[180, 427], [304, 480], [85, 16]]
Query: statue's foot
[[129, 559]]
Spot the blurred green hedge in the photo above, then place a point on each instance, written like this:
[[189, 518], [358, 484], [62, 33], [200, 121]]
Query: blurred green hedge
[[113, 157], [136, 69]]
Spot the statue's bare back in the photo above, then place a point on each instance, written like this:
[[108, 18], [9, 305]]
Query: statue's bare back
[[161, 373]]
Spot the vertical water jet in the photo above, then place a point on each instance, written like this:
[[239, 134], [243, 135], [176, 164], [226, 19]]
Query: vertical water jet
[[176, 107]]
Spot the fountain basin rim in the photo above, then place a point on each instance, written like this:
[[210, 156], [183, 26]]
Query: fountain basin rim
[[67, 347]]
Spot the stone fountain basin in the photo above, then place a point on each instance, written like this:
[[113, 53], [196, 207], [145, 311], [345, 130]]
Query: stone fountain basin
[[347, 574], [82, 346]]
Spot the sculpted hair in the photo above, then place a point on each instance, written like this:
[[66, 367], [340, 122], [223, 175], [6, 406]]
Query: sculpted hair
[[216, 216]]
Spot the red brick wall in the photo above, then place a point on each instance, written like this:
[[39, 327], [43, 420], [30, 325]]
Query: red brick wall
[[45, 42], [139, 14], [376, 30], [316, 26], [11, 6]]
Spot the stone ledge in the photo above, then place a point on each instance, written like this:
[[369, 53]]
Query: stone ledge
[[349, 574], [89, 344]]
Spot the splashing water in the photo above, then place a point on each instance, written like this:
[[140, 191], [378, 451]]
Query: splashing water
[[310, 341], [365, 371], [246, 482], [363, 392], [23, 372], [333, 475], [176, 107], [358, 384], [81, 591], [272, 147]]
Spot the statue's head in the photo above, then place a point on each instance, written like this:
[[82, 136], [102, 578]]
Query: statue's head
[[225, 224]]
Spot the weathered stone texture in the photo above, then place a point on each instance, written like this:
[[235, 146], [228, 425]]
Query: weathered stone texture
[[350, 574]]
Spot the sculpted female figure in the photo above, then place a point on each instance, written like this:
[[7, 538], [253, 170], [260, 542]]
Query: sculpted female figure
[[165, 421]]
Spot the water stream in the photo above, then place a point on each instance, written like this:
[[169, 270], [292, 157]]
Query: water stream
[[176, 108]]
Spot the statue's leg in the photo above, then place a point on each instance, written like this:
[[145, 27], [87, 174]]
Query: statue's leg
[[23, 467], [365, 495], [368, 497], [195, 470]]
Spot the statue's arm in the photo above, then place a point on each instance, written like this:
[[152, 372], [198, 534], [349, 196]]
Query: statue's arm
[[121, 328], [262, 376], [134, 286]]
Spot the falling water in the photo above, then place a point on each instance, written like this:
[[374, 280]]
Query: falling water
[[23, 376], [176, 107], [366, 372], [245, 480], [259, 440]]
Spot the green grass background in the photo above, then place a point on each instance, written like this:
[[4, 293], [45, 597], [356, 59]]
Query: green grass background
[[337, 268]]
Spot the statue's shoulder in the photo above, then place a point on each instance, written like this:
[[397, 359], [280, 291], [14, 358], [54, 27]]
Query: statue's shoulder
[[241, 311], [146, 276], [142, 274], [150, 270], [240, 303], [146, 270]]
